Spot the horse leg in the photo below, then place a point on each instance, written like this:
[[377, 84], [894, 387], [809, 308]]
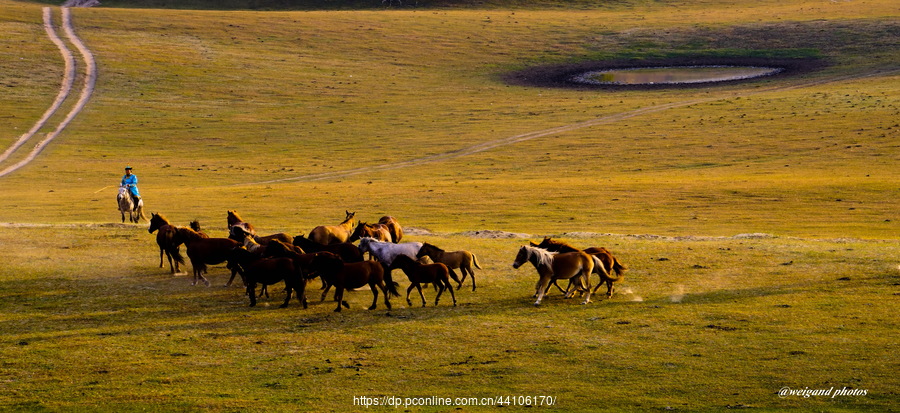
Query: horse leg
[[459, 281], [452, 294], [419, 287], [609, 289], [162, 250], [288, 289], [326, 287], [587, 282], [543, 285], [374, 296], [251, 292], [468, 269], [441, 287], [409, 290], [301, 293], [339, 297]]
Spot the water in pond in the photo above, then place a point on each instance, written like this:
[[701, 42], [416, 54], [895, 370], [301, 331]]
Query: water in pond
[[673, 75]]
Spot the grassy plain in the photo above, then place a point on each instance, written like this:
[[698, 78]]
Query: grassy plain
[[246, 110]]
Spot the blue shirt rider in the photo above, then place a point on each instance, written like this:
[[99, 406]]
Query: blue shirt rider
[[129, 180]]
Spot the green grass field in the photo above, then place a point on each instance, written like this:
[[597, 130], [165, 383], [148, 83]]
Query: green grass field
[[759, 220]]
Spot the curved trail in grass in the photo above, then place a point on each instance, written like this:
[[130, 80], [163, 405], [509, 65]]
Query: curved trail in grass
[[90, 79], [511, 140]]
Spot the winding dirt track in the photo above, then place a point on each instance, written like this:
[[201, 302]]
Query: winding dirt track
[[90, 79]]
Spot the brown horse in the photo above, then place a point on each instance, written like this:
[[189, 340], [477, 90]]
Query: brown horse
[[303, 261], [463, 260], [169, 241], [268, 271], [207, 251], [553, 266], [378, 231], [333, 234], [393, 227], [349, 276], [239, 234], [195, 225], [234, 220], [610, 263], [347, 251], [419, 273]]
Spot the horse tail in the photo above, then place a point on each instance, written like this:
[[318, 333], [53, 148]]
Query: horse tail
[[176, 254], [475, 261], [619, 268], [391, 284]]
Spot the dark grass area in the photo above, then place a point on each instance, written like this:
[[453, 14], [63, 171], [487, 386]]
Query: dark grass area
[[560, 75]]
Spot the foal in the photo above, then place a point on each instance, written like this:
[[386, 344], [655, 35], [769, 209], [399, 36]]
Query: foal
[[418, 274], [349, 276], [268, 271], [457, 259]]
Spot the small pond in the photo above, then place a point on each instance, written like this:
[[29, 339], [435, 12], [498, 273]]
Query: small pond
[[674, 75]]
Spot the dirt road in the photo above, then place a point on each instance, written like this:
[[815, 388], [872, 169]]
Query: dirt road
[[90, 79]]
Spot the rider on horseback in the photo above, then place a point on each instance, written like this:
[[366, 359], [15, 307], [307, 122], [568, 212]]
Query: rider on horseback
[[130, 181]]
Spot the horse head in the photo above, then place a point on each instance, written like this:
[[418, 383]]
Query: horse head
[[157, 221], [521, 257]]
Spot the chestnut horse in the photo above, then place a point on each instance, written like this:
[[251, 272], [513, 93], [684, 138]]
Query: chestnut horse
[[463, 260], [419, 273], [202, 251], [350, 276], [552, 266], [169, 242], [234, 220], [377, 231], [333, 234], [610, 263], [393, 227], [240, 234], [268, 271]]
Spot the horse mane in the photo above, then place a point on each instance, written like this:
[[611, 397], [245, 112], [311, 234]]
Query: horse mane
[[432, 246], [544, 257]]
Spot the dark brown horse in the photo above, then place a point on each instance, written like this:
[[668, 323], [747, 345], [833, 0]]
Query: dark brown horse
[[268, 271], [557, 266], [419, 274], [207, 251], [347, 251], [240, 234], [169, 241], [379, 232], [393, 227], [349, 276], [333, 234], [463, 260], [610, 263]]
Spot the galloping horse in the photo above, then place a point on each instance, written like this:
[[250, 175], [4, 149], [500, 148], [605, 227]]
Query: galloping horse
[[387, 251], [462, 260], [126, 206], [377, 231], [350, 276], [347, 251], [268, 271], [393, 227], [609, 263], [419, 273], [552, 266], [202, 251], [168, 240], [333, 234]]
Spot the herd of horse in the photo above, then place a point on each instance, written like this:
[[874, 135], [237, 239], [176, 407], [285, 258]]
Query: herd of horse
[[328, 252]]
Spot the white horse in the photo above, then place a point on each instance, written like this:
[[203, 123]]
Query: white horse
[[387, 251], [126, 206]]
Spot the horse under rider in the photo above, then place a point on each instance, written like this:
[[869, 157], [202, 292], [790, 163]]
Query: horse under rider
[[130, 181]]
